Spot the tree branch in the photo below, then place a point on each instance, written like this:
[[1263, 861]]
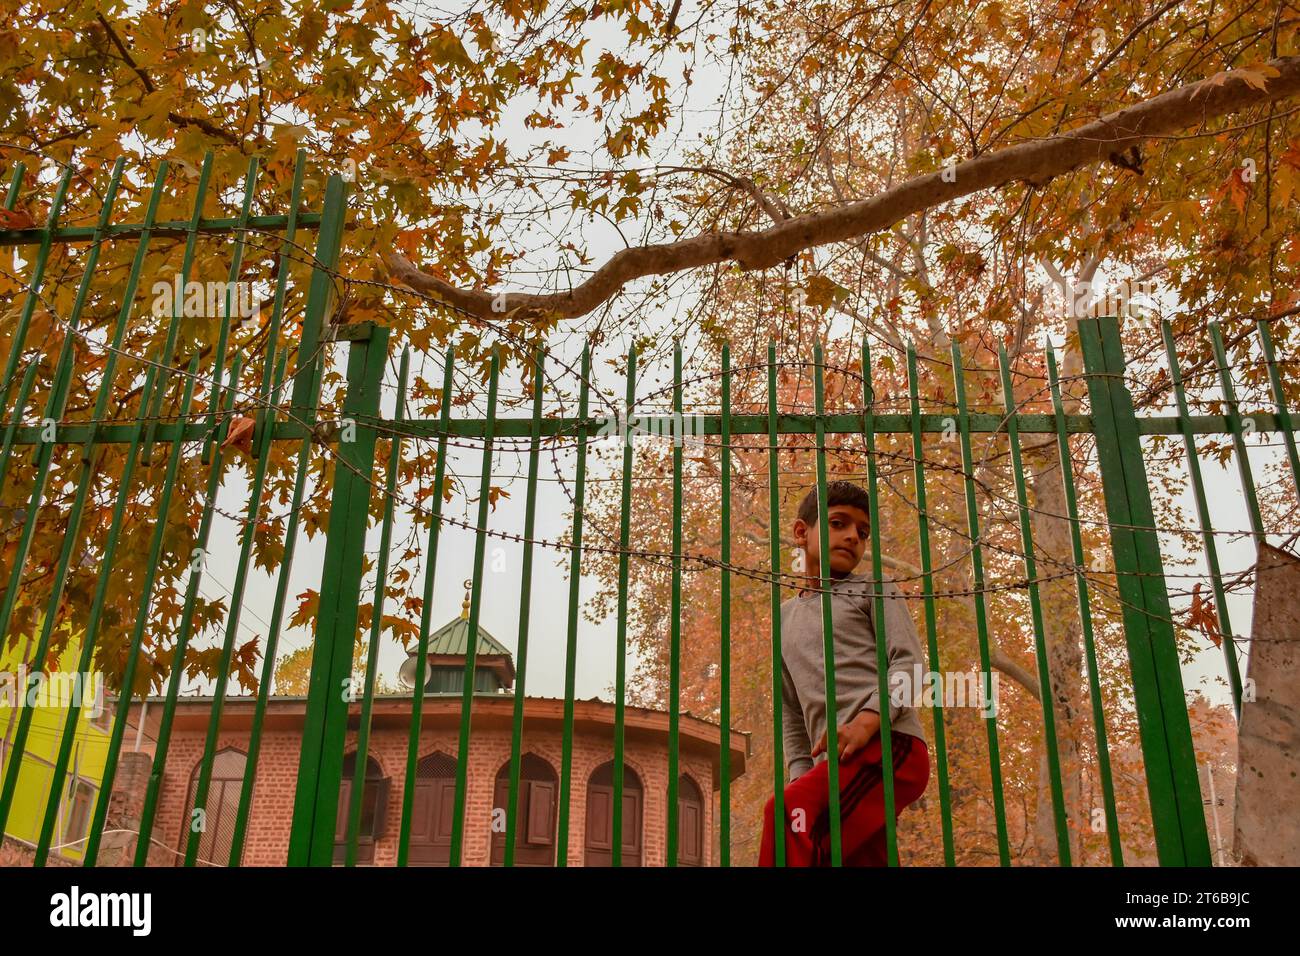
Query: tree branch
[[1034, 162], [180, 120]]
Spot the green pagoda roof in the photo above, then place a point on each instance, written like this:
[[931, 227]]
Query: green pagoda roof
[[453, 638]]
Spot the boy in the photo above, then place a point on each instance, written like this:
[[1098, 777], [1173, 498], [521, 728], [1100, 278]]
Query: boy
[[857, 697]]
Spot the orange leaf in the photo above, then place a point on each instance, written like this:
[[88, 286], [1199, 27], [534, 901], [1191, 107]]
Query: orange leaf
[[240, 434], [16, 219], [1201, 617]]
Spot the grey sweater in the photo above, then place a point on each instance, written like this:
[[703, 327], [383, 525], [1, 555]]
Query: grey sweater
[[803, 674]]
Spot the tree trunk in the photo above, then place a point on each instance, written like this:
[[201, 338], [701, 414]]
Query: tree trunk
[[1062, 633]]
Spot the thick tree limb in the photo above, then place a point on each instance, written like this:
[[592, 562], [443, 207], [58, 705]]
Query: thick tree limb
[[1034, 162]]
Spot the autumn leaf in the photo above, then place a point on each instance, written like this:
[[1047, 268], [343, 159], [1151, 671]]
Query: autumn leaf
[[240, 434], [308, 604], [1257, 76], [16, 219], [1201, 617]]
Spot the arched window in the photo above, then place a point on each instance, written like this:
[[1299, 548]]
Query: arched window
[[534, 814], [374, 810], [690, 822], [217, 824], [600, 817], [432, 811]]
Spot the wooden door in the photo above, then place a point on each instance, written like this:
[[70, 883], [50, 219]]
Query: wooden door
[[600, 824], [535, 814]]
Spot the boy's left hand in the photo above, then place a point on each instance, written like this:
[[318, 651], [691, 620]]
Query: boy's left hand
[[852, 736]]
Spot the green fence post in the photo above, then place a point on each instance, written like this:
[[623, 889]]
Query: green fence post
[[320, 766], [1173, 786]]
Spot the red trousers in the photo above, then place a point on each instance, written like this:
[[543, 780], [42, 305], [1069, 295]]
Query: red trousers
[[862, 806]]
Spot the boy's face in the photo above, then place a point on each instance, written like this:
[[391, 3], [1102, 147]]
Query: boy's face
[[846, 533]]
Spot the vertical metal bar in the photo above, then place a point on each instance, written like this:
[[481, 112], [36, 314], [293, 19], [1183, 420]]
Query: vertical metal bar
[[981, 616], [213, 437], [724, 624], [1203, 514], [151, 566], [1045, 693], [55, 804], [525, 604], [269, 658], [20, 407], [675, 628], [331, 219], [178, 301], [774, 533], [320, 766], [475, 604], [74, 318], [87, 650], [11, 200], [287, 248], [828, 625], [263, 453], [54, 407], [199, 557], [1173, 784], [620, 662], [426, 610], [1279, 399], [877, 584], [1085, 616], [376, 618], [927, 590], [571, 639], [33, 287], [265, 426], [1238, 441], [307, 372], [15, 186]]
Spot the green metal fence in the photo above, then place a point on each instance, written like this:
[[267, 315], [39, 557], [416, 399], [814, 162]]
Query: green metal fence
[[162, 416]]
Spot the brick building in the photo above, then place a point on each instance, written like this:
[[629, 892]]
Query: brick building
[[591, 795]]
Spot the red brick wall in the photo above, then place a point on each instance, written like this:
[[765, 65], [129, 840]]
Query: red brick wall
[[269, 823]]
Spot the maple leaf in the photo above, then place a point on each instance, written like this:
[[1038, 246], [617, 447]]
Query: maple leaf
[[308, 603]]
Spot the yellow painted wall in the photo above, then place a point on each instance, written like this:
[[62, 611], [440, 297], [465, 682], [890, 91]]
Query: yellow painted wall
[[49, 718]]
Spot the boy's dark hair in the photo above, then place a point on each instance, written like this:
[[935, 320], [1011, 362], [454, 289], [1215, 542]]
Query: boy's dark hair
[[837, 493]]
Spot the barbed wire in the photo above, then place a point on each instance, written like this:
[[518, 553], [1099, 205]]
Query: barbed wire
[[396, 432], [647, 554]]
